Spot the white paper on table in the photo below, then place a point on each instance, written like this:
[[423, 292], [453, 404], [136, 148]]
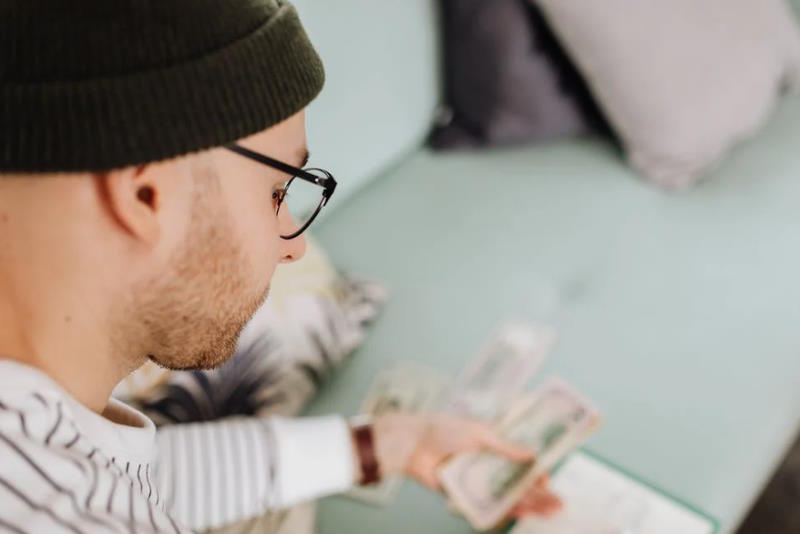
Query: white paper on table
[[600, 500]]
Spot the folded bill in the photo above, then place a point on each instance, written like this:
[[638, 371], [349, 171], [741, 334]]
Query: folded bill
[[550, 423], [501, 369]]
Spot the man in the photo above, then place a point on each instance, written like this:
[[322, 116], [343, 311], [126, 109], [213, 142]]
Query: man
[[146, 150]]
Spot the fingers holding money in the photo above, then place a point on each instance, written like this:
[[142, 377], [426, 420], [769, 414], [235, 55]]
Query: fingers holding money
[[447, 437], [462, 436], [550, 422], [490, 440], [480, 437]]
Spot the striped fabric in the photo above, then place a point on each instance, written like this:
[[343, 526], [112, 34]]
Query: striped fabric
[[54, 479], [217, 473], [64, 468]]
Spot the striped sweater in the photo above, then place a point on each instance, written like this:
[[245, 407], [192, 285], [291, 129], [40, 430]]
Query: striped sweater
[[64, 468]]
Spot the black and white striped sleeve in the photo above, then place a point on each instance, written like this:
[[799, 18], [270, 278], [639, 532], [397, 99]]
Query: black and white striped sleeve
[[213, 474]]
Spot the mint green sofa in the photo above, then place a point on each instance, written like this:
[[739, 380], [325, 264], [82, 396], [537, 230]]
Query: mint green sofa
[[678, 313]]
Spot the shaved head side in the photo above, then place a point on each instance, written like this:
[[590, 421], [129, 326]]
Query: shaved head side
[[190, 316]]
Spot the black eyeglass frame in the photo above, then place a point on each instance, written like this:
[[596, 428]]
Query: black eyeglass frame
[[327, 182]]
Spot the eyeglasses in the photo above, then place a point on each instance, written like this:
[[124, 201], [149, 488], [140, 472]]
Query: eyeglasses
[[304, 195]]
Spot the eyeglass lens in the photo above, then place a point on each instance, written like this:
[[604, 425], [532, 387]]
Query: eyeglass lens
[[302, 198]]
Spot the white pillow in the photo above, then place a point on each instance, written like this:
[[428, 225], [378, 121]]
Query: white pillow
[[681, 81]]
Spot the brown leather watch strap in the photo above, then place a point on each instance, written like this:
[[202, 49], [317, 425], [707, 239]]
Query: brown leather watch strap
[[365, 448]]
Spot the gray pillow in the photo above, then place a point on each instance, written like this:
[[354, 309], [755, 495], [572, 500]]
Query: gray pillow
[[507, 79], [681, 81]]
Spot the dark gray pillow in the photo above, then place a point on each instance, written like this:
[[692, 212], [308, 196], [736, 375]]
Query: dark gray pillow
[[507, 80]]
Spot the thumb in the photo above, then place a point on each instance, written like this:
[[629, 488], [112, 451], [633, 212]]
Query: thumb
[[494, 443]]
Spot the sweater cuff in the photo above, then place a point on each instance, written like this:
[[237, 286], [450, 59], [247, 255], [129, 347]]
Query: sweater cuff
[[314, 457]]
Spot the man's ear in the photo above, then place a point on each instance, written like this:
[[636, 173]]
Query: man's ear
[[133, 201]]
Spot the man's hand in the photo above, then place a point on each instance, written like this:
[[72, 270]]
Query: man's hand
[[418, 445]]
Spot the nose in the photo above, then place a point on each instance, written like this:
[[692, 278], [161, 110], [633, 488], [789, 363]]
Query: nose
[[291, 249]]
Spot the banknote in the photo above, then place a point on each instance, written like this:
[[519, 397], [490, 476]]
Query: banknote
[[405, 387], [549, 422], [501, 369]]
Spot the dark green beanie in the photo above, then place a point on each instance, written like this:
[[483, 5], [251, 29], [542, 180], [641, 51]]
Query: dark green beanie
[[89, 85]]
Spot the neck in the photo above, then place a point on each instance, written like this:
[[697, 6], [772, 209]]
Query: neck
[[58, 337], [57, 310]]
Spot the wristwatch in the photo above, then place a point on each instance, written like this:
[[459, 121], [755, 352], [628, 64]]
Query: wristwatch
[[364, 443]]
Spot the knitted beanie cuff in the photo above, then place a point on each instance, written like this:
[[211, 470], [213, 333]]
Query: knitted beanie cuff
[[100, 124]]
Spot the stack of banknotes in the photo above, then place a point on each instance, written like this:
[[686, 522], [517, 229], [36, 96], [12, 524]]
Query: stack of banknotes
[[551, 421]]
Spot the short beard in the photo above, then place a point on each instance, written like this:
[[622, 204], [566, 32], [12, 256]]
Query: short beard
[[191, 316]]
